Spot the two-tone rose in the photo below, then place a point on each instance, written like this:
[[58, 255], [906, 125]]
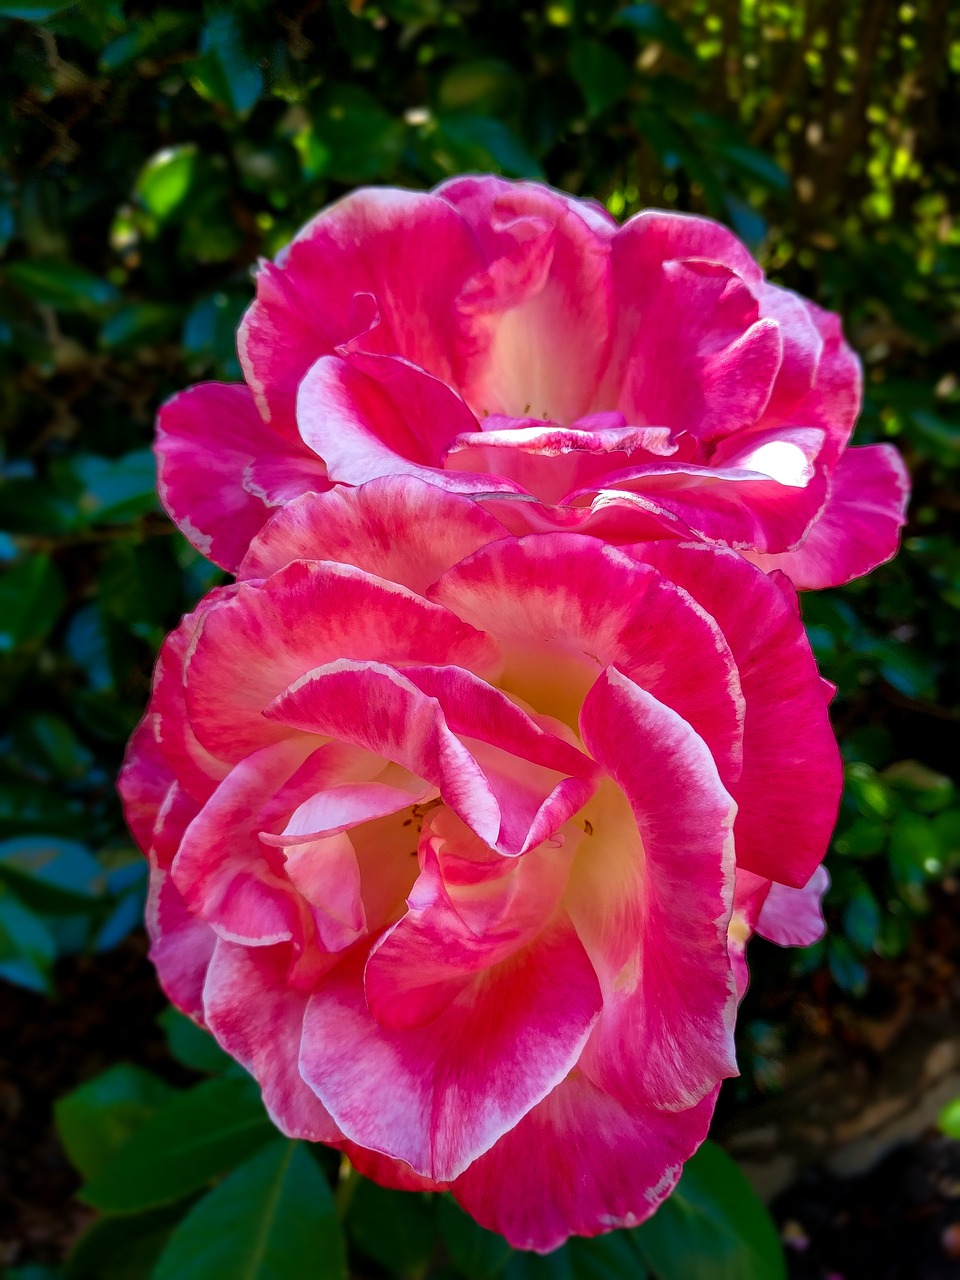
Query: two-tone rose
[[456, 837], [632, 383]]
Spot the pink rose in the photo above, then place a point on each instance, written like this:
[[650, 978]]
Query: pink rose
[[631, 383], [444, 826]]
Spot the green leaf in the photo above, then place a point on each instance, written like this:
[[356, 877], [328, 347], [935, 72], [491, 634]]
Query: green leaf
[[33, 12], [861, 919], [27, 948], [486, 85], [165, 179], [846, 970], [226, 73], [271, 1219], [51, 874], [61, 285], [195, 1137], [474, 1251], [608, 1257], [949, 1119], [139, 324], [395, 1228], [190, 1044], [122, 1248], [31, 598], [713, 1227], [601, 75], [755, 164], [97, 1119], [478, 142], [115, 490], [363, 141]]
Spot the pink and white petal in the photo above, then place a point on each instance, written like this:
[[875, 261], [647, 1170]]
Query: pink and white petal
[[181, 945], [786, 454], [372, 415], [727, 506], [338, 808], [325, 873], [388, 1173], [858, 528], [549, 460], [410, 251], [794, 917], [197, 770], [655, 236], [749, 895], [428, 957], [790, 785], [581, 1164], [476, 710], [226, 874], [249, 648], [257, 1017], [375, 707], [144, 781], [536, 324], [476, 197], [564, 607], [208, 438], [834, 399], [398, 527], [802, 348], [650, 893], [439, 1096]]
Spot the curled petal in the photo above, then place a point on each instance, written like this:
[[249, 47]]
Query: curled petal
[[651, 899], [794, 917], [221, 469], [789, 787], [860, 526], [250, 647], [399, 528], [255, 1015], [580, 1163], [440, 1095]]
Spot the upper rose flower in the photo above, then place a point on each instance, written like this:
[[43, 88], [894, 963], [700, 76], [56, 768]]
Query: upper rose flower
[[631, 383], [456, 839]]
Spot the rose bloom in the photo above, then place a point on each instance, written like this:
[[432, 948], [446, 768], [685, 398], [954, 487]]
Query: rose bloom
[[631, 383], [456, 839]]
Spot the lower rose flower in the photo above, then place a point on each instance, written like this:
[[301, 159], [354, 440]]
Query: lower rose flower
[[456, 839]]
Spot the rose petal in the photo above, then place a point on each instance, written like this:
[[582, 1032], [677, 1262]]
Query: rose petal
[[440, 1095], [651, 900]]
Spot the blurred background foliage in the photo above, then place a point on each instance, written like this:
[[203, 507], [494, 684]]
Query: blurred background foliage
[[149, 155]]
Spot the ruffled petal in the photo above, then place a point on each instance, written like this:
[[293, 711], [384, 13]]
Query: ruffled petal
[[380, 260], [221, 469], [651, 893], [257, 1018], [789, 788], [860, 526], [398, 528], [563, 607], [580, 1163], [536, 321], [440, 1095], [250, 647]]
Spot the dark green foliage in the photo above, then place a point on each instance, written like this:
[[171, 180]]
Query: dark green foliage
[[148, 155]]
